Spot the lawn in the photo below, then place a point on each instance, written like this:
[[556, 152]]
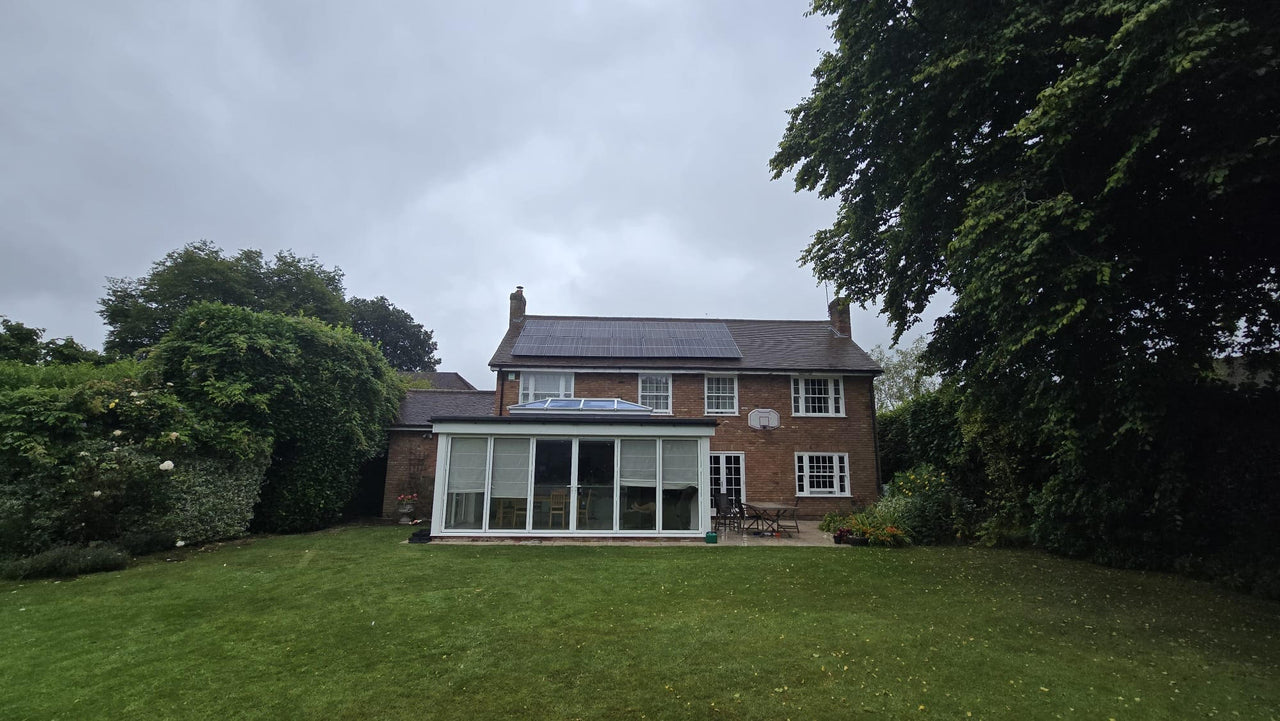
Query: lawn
[[353, 624]]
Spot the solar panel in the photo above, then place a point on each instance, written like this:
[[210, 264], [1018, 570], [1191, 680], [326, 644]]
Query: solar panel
[[626, 339]]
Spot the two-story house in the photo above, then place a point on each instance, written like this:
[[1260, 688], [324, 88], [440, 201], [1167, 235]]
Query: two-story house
[[628, 426]]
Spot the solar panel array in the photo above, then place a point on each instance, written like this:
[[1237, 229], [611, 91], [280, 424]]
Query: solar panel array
[[626, 339]]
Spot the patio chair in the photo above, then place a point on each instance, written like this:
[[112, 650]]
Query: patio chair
[[727, 513]]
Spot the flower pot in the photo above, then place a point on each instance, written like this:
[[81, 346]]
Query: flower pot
[[406, 513]]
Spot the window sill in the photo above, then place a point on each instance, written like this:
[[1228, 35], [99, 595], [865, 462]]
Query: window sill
[[818, 415]]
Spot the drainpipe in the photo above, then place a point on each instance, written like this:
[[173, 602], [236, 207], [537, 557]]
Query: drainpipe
[[875, 434]]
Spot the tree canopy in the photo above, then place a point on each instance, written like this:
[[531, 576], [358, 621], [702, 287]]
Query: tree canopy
[[139, 311], [1096, 184], [905, 376], [405, 343]]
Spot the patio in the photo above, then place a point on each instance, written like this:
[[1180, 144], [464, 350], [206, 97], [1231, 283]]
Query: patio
[[809, 536]]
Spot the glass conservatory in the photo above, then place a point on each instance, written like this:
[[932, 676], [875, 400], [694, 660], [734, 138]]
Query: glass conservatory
[[567, 474]]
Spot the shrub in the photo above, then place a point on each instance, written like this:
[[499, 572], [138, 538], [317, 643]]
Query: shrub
[[63, 561], [881, 524], [833, 522], [931, 507], [318, 397]]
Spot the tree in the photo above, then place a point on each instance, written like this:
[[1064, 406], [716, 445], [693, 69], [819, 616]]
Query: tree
[[905, 376], [319, 396], [406, 344], [1096, 184], [140, 311], [19, 342], [23, 343]]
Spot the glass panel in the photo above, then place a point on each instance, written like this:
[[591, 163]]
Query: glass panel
[[679, 485], [537, 386], [464, 489], [638, 476], [721, 396], [552, 471], [816, 396], [595, 485], [509, 482], [655, 392]]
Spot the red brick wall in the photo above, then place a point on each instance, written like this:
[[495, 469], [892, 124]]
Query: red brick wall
[[769, 455], [411, 467]]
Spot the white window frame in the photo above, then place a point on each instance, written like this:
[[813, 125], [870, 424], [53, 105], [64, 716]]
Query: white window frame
[[834, 396], [526, 385], [640, 394], [742, 467], [840, 474], [706, 396]]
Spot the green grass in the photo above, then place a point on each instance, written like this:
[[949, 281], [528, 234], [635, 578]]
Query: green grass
[[352, 624]]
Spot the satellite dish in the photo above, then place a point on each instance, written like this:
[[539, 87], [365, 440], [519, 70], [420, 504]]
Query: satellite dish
[[763, 419]]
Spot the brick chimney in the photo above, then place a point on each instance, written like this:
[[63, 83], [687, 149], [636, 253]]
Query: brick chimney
[[838, 311], [517, 307]]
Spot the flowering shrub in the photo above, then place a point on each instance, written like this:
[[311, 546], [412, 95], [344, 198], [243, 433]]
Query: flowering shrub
[[407, 498], [931, 507], [880, 524]]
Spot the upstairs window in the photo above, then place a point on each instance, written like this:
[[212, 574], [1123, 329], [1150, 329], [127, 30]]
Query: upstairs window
[[655, 391], [817, 396], [536, 386], [822, 474], [721, 396]]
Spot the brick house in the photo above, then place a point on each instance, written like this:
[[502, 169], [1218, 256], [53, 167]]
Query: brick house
[[628, 426]]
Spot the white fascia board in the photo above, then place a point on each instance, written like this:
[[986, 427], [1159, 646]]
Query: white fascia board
[[687, 371], [537, 428]]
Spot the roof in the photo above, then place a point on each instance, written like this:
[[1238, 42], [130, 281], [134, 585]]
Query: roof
[[765, 345], [418, 408], [441, 380], [558, 418], [579, 406]]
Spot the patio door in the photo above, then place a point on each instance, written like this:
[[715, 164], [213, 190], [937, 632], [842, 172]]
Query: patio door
[[727, 475]]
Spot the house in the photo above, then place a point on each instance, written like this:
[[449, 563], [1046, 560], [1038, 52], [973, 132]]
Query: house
[[411, 452], [629, 426]]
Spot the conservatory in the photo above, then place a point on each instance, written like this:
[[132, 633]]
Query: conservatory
[[582, 471]]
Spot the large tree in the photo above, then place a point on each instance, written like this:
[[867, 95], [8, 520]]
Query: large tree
[[1097, 184], [139, 311], [406, 344]]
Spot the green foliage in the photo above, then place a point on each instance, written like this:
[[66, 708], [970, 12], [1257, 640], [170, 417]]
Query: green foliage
[[19, 342], [1095, 184], [65, 561], [931, 507], [318, 396], [140, 311], [406, 344], [82, 459], [832, 522], [905, 376], [882, 524]]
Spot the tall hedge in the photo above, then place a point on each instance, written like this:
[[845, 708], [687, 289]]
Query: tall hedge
[[319, 396], [109, 455]]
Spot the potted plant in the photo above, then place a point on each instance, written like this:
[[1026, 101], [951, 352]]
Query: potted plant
[[405, 503]]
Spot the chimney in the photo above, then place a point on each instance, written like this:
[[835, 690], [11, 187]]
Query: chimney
[[838, 311], [517, 307]]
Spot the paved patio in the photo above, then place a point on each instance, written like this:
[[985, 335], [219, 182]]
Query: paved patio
[[809, 536]]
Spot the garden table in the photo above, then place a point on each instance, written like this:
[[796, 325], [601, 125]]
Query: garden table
[[774, 517]]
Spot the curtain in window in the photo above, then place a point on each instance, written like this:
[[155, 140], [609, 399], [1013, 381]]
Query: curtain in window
[[638, 462], [510, 468], [679, 464], [467, 465]]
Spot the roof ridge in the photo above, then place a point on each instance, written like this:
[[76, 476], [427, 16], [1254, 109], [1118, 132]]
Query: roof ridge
[[823, 321]]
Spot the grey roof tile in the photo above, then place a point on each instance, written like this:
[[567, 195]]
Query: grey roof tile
[[441, 380], [766, 345], [418, 407]]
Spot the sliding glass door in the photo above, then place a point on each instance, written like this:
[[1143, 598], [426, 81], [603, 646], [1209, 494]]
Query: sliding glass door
[[595, 485]]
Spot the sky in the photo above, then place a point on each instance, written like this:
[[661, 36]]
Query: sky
[[610, 157]]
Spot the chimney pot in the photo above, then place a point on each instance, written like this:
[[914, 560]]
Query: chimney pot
[[517, 307], [838, 311]]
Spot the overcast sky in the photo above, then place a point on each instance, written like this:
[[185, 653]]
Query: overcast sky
[[611, 157]]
